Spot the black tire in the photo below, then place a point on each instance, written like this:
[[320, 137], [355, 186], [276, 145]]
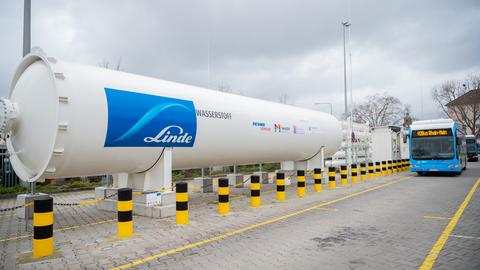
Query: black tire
[[421, 173]]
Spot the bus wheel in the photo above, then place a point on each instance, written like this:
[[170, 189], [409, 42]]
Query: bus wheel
[[421, 173]]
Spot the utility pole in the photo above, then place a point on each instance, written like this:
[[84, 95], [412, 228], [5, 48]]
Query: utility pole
[[348, 140], [27, 7], [345, 25], [26, 26]]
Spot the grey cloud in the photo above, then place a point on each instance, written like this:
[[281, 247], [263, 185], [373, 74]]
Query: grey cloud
[[262, 48]]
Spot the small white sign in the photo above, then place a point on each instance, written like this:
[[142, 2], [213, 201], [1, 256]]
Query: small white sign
[[153, 198]]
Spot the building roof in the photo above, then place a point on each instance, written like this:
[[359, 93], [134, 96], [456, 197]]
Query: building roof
[[471, 97]]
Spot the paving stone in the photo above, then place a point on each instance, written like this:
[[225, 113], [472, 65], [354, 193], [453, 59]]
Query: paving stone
[[381, 229]]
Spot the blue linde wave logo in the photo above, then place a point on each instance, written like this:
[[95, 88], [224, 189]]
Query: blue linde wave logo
[[143, 120]]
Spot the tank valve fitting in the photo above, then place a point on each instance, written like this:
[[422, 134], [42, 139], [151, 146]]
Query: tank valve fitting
[[8, 114]]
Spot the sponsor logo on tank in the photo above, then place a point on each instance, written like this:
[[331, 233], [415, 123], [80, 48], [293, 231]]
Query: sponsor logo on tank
[[298, 130], [214, 114], [262, 126], [277, 127], [144, 120], [312, 129]]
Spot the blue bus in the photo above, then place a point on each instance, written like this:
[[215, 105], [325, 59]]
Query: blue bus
[[437, 146], [472, 148]]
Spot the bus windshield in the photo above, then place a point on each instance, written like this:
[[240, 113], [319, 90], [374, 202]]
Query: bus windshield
[[471, 146], [433, 147]]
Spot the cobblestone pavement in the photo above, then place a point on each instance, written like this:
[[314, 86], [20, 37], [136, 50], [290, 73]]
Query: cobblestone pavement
[[384, 223]]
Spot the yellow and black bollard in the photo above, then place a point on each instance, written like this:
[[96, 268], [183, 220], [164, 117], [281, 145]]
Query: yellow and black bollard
[[181, 195], [301, 183], [317, 175], [43, 227], [255, 191], [343, 175], [124, 213], [402, 165], [331, 177], [384, 167], [354, 173], [389, 163], [280, 186], [395, 166], [408, 164], [378, 169], [371, 171], [363, 172], [223, 196]]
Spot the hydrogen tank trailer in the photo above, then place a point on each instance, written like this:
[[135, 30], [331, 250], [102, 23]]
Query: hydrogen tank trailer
[[65, 120]]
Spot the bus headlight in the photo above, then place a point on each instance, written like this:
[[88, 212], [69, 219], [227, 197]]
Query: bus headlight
[[453, 166]]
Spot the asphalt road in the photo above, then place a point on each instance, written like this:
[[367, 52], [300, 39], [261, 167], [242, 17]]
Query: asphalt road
[[393, 227]]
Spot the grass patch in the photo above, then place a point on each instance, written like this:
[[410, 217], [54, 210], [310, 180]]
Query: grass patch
[[243, 169], [15, 189], [80, 184]]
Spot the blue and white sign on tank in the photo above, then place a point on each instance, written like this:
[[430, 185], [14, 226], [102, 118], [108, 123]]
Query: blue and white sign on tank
[[143, 120]]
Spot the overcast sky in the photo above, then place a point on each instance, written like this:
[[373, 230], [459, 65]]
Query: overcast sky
[[262, 49]]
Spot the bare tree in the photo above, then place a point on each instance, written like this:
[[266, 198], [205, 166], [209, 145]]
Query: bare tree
[[106, 64], [380, 110], [224, 87], [283, 98], [466, 115]]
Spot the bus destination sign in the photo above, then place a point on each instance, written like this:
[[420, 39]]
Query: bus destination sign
[[432, 132]]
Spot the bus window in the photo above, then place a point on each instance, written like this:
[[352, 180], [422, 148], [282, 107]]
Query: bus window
[[432, 148]]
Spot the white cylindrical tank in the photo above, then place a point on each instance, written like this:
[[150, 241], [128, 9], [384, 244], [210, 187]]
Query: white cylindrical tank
[[63, 120]]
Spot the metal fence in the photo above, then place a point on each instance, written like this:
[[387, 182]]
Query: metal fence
[[9, 178]]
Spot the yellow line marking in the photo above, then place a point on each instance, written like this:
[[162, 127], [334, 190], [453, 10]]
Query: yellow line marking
[[84, 225], [435, 251], [15, 238], [90, 202], [436, 217], [58, 230], [248, 228]]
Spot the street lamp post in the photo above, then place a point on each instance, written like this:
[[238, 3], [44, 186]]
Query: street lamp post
[[26, 26], [346, 24]]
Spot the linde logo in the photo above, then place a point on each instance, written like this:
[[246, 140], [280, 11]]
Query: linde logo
[[165, 136], [143, 120]]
